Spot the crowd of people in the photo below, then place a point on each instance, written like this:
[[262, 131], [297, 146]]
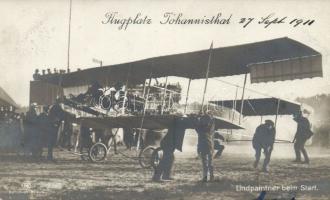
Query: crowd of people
[[50, 126], [9, 127], [41, 128]]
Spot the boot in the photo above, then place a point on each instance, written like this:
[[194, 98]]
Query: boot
[[264, 170], [255, 164]]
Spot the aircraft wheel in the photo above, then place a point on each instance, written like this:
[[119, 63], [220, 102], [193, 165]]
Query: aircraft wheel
[[145, 157], [98, 152]]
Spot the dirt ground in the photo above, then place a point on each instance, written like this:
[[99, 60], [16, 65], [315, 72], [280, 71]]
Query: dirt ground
[[120, 177]]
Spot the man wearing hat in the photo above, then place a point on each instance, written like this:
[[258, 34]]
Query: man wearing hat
[[302, 135], [205, 128], [264, 138]]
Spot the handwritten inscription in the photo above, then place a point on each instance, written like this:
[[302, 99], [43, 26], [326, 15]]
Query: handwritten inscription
[[272, 19], [113, 18], [173, 18]]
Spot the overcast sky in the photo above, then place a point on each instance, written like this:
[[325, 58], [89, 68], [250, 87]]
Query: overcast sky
[[34, 34]]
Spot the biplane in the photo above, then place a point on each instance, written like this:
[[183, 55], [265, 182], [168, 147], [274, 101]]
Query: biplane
[[266, 61]]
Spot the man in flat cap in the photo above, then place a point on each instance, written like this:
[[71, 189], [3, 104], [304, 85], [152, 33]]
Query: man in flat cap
[[264, 138], [205, 128], [303, 133]]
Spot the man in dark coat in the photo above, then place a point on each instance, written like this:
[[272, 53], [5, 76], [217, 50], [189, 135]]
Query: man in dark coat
[[302, 135], [263, 139], [85, 138], [31, 139], [43, 127], [67, 132], [95, 90], [128, 138], [53, 121], [205, 127], [172, 140]]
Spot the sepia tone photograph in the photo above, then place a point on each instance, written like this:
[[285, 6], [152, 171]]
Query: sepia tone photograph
[[164, 100]]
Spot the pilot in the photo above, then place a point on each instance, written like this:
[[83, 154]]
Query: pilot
[[116, 90], [264, 138], [95, 90]]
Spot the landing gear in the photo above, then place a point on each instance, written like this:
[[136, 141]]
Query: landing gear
[[145, 157], [98, 152]]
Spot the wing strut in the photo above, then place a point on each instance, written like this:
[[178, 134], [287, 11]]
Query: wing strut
[[144, 112], [187, 96], [207, 74], [242, 101]]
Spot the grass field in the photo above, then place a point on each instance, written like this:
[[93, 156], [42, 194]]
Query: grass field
[[120, 177]]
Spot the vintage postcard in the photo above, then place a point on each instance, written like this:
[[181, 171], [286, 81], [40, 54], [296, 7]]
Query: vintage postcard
[[164, 99]]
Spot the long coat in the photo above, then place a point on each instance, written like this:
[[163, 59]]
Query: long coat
[[263, 137], [175, 134], [205, 128], [303, 128]]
